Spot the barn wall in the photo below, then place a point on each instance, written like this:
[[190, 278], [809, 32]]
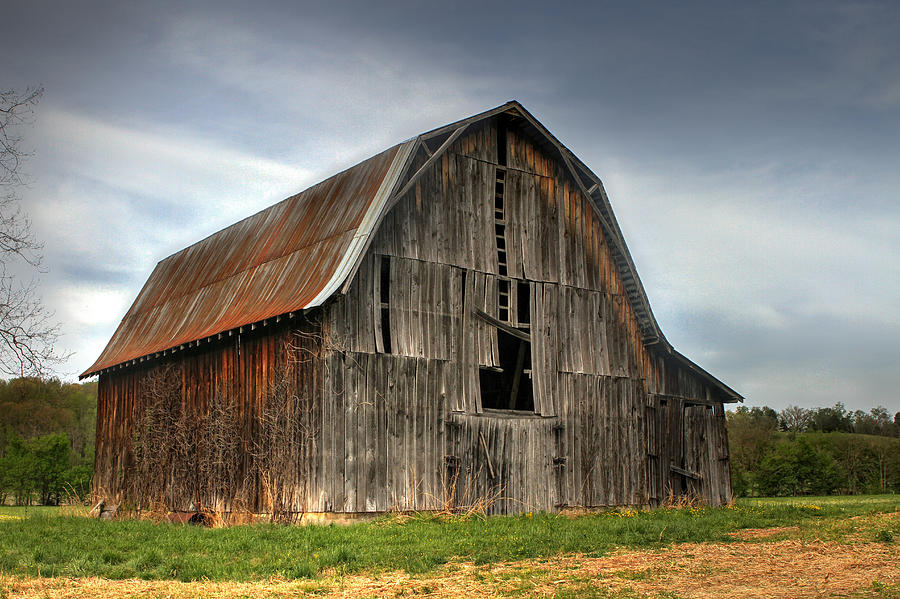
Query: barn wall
[[403, 427], [236, 374], [383, 439], [596, 384]]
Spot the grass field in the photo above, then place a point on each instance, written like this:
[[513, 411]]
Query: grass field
[[41, 550]]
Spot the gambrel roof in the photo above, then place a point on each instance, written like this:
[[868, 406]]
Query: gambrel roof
[[297, 253]]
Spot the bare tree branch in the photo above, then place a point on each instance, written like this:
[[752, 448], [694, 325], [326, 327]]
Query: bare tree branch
[[27, 330]]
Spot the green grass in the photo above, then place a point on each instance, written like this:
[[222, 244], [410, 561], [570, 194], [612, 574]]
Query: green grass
[[856, 504], [28, 511], [48, 544]]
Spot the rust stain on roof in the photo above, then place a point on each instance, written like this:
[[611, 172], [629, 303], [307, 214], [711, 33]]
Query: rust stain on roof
[[277, 261]]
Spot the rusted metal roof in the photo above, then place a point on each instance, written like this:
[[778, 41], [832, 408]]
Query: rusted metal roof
[[288, 257]]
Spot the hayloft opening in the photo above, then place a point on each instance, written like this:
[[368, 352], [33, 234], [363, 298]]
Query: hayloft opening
[[523, 304], [508, 387], [507, 384]]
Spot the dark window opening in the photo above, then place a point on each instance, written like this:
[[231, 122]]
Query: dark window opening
[[384, 297], [508, 387], [385, 279], [501, 142], [523, 303], [463, 290]]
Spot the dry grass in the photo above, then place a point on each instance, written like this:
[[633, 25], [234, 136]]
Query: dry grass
[[680, 502], [855, 529], [788, 568], [762, 533]]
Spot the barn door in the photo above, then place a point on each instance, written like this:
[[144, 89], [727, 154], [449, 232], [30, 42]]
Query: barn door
[[664, 448], [474, 470], [697, 442], [677, 448], [654, 482], [503, 465]]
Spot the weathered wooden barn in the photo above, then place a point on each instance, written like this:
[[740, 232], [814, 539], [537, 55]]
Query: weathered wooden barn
[[454, 322]]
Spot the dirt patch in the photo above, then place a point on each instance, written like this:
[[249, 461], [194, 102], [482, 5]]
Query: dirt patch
[[782, 569], [762, 533], [789, 568]]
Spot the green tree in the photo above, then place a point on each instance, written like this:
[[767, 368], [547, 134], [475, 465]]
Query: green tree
[[751, 433], [16, 466], [857, 460], [31, 463], [832, 419], [51, 459], [814, 451], [31, 407], [797, 468], [886, 454]]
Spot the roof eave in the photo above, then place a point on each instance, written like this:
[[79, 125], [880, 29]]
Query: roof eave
[[732, 395]]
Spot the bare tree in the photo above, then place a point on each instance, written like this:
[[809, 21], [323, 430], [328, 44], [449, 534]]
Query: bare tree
[[28, 332], [795, 419]]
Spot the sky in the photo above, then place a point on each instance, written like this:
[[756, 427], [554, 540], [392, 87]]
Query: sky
[[750, 150]]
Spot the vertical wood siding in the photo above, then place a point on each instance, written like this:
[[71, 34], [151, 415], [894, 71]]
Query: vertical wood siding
[[241, 369]]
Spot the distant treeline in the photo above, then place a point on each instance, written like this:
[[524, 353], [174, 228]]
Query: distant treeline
[[47, 446], [46, 440], [821, 451]]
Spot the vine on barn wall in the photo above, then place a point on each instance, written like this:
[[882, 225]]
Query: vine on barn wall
[[197, 458]]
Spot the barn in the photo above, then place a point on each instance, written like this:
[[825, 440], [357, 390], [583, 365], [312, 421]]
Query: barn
[[454, 323]]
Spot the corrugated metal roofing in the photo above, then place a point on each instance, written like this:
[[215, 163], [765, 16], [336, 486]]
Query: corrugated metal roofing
[[290, 256]]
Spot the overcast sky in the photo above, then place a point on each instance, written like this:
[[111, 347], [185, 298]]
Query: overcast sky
[[750, 150]]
